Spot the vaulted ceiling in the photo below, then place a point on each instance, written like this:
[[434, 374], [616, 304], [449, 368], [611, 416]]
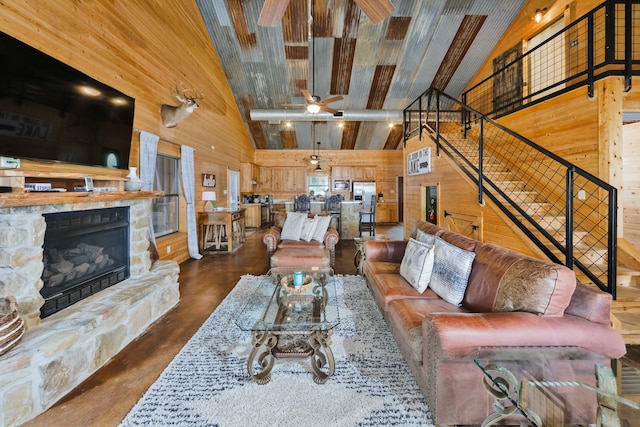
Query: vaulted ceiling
[[374, 67]]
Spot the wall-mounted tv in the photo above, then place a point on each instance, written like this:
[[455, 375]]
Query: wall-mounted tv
[[52, 112]]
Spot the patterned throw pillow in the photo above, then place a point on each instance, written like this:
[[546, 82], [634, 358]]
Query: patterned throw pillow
[[308, 228], [321, 227], [417, 264], [451, 270], [292, 228], [534, 286]]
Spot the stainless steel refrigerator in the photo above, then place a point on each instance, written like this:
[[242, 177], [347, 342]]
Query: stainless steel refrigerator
[[363, 190]]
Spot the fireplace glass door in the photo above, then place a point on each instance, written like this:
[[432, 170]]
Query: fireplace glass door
[[84, 252]]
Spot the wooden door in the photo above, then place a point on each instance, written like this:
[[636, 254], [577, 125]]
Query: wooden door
[[467, 225]]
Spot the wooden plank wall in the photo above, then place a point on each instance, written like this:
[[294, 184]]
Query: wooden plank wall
[[144, 48], [631, 183], [458, 195], [388, 163]]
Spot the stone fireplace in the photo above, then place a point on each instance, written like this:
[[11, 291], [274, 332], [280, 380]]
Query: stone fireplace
[[96, 317]]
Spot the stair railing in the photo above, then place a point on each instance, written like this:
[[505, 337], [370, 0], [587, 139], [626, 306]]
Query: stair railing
[[568, 213]]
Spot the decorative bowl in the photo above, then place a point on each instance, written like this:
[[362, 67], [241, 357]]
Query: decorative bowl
[[11, 324], [287, 284]]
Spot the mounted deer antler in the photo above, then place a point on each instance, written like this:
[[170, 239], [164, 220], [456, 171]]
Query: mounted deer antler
[[172, 115]]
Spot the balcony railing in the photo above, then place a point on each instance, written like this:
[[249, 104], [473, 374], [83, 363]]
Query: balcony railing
[[604, 42]]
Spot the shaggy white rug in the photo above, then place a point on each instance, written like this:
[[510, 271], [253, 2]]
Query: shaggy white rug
[[207, 383]]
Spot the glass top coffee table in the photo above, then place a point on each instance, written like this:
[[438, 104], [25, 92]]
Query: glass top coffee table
[[290, 321], [552, 386]]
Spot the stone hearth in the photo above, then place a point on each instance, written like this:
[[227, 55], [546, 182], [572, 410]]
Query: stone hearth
[[59, 352]]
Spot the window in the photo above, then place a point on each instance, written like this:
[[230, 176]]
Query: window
[[165, 209], [319, 184]]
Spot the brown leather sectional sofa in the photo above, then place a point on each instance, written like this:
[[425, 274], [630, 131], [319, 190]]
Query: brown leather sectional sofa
[[439, 340]]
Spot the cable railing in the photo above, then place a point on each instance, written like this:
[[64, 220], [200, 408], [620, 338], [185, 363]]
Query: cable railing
[[568, 213]]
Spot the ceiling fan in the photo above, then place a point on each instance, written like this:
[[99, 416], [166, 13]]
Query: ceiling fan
[[315, 104], [272, 11]]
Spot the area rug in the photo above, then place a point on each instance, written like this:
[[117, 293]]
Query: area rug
[[207, 383]]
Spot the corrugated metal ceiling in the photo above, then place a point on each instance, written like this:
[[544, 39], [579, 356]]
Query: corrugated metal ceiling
[[373, 66]]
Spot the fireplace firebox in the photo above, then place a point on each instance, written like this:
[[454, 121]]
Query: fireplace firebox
[[84, 253]]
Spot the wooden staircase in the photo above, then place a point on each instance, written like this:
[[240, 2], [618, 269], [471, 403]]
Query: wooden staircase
[[625, 312]]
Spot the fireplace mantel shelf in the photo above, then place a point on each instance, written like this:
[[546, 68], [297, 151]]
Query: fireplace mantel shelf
[[36, 199]]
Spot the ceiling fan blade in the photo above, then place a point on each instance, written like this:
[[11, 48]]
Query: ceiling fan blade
[[271, 13], [293, 105], [327, 109], [376, 10], [307, 95], [332, 99]]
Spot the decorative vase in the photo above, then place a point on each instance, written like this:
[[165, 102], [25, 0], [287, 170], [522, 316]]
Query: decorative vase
[[11, 324], [134, 183]]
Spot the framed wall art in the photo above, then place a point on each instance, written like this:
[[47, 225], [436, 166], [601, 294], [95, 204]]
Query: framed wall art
[[208, 180]]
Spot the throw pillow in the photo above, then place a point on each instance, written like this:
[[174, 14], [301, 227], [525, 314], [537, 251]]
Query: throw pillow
[[429, 239], [321, 227], [308, 228], [417, 264], [534, 286], [292, 228], [451, 270]]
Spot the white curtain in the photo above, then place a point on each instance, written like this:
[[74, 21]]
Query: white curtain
[[148, 154], [188, 187]]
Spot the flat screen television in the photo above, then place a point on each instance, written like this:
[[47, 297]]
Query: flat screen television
[[51, 112]]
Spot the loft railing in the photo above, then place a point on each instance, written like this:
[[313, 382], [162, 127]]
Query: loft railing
[[604, 42], [567, 212]]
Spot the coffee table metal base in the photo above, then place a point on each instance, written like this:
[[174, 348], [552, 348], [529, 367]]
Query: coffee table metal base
[[271, 345]]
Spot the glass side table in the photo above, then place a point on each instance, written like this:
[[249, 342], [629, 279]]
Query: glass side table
[[542, 385]]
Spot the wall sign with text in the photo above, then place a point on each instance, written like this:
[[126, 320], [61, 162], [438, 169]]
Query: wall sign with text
[[419, 162]]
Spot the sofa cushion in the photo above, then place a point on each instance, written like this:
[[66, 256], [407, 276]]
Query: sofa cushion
[[406, 317], [299, 244], [293, 258], [292, 228], [389, 287], [462, 242], [417, 264], [424, 227], [373, 268], [321, 227], [451, 269]]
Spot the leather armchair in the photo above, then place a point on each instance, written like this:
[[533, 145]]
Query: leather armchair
[[271, 239]]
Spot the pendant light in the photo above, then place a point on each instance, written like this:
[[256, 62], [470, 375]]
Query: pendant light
[[318, 168]]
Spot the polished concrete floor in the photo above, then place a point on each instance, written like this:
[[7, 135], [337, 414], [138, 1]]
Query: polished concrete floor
[[106, 397]]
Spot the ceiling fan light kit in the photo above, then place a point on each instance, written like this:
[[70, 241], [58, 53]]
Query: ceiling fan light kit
[[313, 108]]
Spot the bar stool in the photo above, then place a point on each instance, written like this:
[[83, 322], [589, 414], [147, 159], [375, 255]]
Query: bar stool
[[214, 234], [367, 221], [333, 206], [302, 203]]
